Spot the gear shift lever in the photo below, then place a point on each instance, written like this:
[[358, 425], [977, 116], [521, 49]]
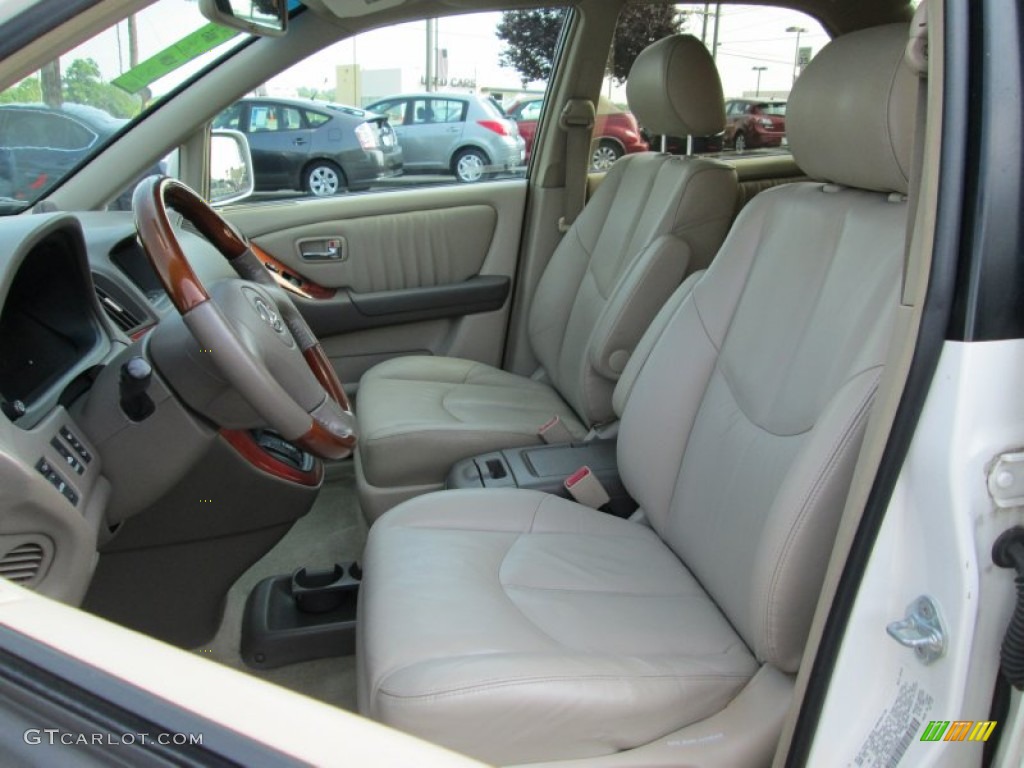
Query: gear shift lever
[[136, 375]]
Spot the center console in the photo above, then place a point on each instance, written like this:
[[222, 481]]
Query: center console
[[546, 468]]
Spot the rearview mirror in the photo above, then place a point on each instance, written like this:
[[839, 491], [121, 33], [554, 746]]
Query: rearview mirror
[[257, 17], [231, 173]]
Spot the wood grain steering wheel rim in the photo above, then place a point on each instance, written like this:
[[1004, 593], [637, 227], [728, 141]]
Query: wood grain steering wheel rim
[[326, 438]]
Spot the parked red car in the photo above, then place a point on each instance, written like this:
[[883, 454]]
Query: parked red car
[[750, 123], [616, 130]]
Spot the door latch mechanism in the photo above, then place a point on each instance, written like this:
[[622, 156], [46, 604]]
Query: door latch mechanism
[[921, 629]]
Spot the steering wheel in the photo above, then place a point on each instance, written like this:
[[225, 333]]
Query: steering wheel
[[251, 329]]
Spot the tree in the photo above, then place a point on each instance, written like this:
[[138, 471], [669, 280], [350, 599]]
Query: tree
[[638, 27], [315, 94], [530, 38], [28, 91], [83, 84]]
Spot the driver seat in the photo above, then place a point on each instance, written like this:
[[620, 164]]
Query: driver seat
[[518, 627]]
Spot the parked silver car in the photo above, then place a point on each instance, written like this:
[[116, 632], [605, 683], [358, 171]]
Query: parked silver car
[[458, 133]]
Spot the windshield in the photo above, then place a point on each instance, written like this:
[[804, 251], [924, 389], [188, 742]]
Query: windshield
[[58, 118]]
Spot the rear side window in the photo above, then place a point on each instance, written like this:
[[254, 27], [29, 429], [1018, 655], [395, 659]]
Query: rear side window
[[230, 118], [448, 110], [394, 110], [315, 119], [46, 131]]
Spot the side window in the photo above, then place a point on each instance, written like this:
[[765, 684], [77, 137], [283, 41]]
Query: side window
[[230, 117], [407, 107], [315, 119], [262, 117], [290, 120], [69, 134], [448, 110], [423, 112], [759, 51], [394, 110], [531, 111]]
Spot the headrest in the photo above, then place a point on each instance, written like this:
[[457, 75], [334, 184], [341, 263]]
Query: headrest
[[674, 89], [850, 118]]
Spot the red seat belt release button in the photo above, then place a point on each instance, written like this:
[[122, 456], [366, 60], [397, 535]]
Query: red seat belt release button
[[584, 486], [554, 431]]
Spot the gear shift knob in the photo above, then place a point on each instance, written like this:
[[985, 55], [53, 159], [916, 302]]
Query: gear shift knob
[[136, 375]]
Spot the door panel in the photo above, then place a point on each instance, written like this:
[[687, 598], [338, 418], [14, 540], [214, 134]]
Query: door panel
[[421, 271], [392, 251]]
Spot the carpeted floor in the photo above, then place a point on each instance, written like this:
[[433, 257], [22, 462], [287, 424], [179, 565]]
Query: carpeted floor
[[333, 531]]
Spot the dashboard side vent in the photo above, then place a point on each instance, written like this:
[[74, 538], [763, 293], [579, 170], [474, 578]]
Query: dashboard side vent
[[123, 318], [21, 565]]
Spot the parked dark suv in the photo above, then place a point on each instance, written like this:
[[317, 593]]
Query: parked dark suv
[[39, 145], [314, 146]]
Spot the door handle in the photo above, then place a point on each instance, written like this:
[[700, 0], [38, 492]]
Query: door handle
[[322, 249], [299, 141]]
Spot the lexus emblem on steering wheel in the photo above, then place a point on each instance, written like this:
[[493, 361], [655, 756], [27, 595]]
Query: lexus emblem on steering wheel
[[268, 315]]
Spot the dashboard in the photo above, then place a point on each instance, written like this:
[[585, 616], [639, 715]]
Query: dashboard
[[77, 295]]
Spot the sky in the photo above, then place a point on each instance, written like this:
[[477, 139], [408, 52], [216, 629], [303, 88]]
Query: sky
[[749, 36]]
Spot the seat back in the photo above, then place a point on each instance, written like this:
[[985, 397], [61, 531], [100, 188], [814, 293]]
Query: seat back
[[766, 366], [655, 219]]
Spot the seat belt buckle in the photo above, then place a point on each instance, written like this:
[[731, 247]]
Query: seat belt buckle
[[563, 225], [554, 431], [584, 486]]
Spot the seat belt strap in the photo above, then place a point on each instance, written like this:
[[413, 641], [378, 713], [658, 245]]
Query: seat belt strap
[[577, 120], [917, 59]]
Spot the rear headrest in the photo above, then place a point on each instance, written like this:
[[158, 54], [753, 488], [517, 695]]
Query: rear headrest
[[850, 118], [674, 89]]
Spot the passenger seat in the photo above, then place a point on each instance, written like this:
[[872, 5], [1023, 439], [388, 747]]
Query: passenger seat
[[656, 219]]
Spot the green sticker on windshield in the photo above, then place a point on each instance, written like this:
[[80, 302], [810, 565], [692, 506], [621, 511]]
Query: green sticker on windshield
[[174, 56]]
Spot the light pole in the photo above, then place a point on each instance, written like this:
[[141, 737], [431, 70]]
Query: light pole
[[759, 70], [796, 54]]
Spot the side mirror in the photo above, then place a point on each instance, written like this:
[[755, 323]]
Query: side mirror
[[231, 171], [257, 17]]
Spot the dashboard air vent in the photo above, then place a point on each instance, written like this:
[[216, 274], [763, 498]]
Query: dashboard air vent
[[122, 317], [22, 563]]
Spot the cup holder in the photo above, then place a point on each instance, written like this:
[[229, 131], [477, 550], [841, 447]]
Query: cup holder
[[323, 591], [309, 614]]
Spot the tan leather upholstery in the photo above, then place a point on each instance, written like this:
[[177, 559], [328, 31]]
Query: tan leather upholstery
[[517, 628], [655, 219], [868, 125], [429, 412], [578, 628], [694, 106]]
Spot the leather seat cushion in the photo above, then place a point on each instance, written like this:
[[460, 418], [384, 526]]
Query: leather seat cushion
[[419, 415], [544, 629]]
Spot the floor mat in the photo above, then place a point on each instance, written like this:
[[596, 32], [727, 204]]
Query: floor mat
[[333, 531]]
